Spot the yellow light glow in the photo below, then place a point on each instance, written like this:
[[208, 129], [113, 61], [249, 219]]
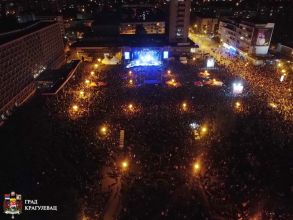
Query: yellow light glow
[[87, 81], [130, 106], [273, 105], [237, 104], [196, 167], [131, 81], [75, 108], [96, 65], [204, 129], [92, 73], [99, 60], [103, 130], [81, 93], [124, 165]]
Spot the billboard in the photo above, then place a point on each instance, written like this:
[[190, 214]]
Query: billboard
[[262, 36]]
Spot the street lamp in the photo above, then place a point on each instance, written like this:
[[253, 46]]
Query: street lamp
[[87, 82], [237, 104], [103, 130], [81, 93], [196, 167], [204, 129], [92, 73], [130, 107], [75, 108], [184, 106], [96, 66], [124, 165]]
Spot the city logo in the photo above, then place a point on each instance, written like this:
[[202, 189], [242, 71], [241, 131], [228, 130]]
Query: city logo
[[12, 204]]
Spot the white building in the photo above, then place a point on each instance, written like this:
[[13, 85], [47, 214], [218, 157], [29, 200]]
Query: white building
[[247, 37]]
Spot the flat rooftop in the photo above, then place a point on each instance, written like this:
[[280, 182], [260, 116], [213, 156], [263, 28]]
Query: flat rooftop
[[149, 40], [24, 30]]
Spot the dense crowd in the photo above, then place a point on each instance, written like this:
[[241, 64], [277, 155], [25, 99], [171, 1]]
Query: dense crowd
[[243, 152]]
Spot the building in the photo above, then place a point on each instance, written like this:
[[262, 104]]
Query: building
[[246, 37], [286, 50], [155, 27], [24, 54], [206, 25], [179, 19], [57, 18]]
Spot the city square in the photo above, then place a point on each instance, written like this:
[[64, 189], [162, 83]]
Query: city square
[[203, 145], [146, 110]]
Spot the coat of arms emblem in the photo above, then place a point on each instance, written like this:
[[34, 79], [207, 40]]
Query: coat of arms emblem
[[12, 204]]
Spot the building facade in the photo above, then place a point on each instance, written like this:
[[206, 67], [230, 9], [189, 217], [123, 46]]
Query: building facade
[[206, 25], [179, 20], [149, 27], [248, 37], [24, 54]]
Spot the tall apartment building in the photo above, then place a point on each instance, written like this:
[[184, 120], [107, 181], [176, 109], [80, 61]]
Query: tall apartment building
[[179, 20], [249, 37], [24, 53]]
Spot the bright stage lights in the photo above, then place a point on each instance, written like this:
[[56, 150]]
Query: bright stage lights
[[145, 57], [127, 55], [237, 88], [166, 54]]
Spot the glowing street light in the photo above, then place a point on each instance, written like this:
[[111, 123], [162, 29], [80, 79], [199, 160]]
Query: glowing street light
[[81, 93], [104, 130], [283, 71], [96, 66], [131, 82], [87, 82], [184, 106], [204, 129], [196, 167], [99, 60], [169, 72], [130, 107], [237, 104], [124, 165], [92, 73], [75, 108]]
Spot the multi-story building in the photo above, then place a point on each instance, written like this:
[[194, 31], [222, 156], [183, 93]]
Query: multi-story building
[[179, 20], [49, 18], [206, 25], [149, 27], [24, 54], [249, 37]]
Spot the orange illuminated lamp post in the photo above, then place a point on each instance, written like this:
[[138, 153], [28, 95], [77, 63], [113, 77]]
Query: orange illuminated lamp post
[[124, 165], [75, 108]]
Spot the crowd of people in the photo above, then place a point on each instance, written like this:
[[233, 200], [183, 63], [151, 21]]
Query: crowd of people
[[242, 152]]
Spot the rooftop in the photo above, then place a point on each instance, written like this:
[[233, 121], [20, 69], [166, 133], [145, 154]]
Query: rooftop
[[22, 30], [149, 40]]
